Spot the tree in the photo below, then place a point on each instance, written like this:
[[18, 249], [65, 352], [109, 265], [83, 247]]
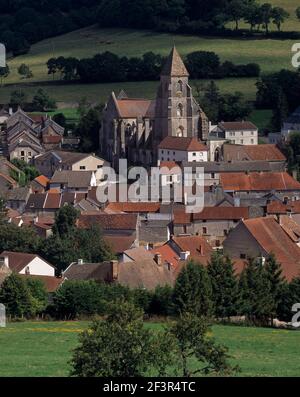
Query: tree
[[15, 295], [280, 111], [25, 71], [3, 210], [210, 101], [162, 301], [193, 343], [60, 119], [75, 298], [256, 299], [192, 291], [253, 15], [236, 11], [279, 15], [266, 15], [29, 171], [65, 221], [18, 98], [42, 101], [83, 107], [276, 280], [88, 129], [298, 12], [224, 285], [289, 295], [232, 107], [18, 239], [4, 72], [203, 64], [120, 346], [39, 296]]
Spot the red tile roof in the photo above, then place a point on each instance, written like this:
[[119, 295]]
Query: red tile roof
[[108, 221], [255, 181], [237, 125], [199, 248], [42, 180], [182, 143], [18, 260], [277, 207], [132, 108], [272, 238], [168, 255], [52, 201], [265, 152], [133, 207], [211, 213], [119, 243]]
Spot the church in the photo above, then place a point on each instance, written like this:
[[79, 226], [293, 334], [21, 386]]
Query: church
[[133, 128]]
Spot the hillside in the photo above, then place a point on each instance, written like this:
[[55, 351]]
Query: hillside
[[271, 55]]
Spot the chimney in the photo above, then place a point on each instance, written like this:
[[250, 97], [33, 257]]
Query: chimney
[[80, 262], [157, 258], [10, 111], [184, 255], [4, 261], [114, 267]]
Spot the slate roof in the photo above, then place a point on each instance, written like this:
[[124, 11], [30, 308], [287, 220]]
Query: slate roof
[[73, 179]]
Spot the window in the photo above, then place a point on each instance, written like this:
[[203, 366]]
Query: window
[[180, 131], [82, 167], [212, 175], [242, 141], [252, 141], [242, 133], [180, 110], [162, 152], [194, 154], [218, 243], [180, 86], [204, 230], [22, 153], [99, 166], [225, 232], [243, 256]]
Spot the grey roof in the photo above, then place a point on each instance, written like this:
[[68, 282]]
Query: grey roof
[[19, 194], [238, 166], [85, 271], [74, 179]]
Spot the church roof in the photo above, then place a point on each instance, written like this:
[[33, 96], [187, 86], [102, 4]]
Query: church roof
[[174, 65], [132, 108]]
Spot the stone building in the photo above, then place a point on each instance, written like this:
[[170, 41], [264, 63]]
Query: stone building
[[133, 128]]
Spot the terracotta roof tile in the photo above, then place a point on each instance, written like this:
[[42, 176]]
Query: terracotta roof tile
[[265, 152], [119, 243], [237, 125], [132, 108], [272, 238], [182, 143], [277, 207], [264, 181], [42, 180], [109, 221], [138, 207]]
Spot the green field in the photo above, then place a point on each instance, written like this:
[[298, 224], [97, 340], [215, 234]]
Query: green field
[[44, 348]]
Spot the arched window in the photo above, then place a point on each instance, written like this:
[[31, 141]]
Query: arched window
[[180, 86], [180, 131], [180, 110]]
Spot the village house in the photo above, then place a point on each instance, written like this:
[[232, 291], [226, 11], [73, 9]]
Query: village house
[[40, 184], [57, 160], [113, 226], [145, 273], [258, 238], [173, 148], [248, 187], [291, 124], [266, 152], [27, 137], [22, 263], [213, 223], [73, 181], [17, 198]]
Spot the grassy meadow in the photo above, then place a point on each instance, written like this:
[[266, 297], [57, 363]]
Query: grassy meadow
[[44, 348]]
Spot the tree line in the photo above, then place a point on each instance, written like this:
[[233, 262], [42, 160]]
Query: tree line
[[109, 67], [192, 16]]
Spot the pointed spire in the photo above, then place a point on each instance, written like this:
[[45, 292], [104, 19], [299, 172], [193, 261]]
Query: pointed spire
[[174, 65]]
